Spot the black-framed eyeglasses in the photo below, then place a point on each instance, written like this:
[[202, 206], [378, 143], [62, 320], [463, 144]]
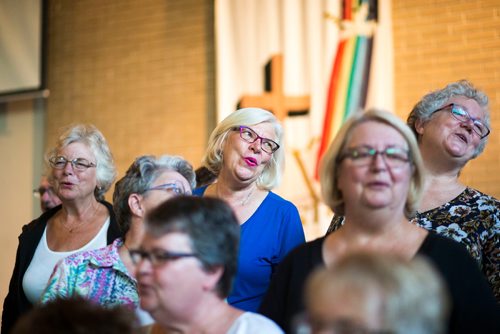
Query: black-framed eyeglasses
[[79, 164], [461, 115], [40, 191], [175, 188], [250, 136], [157, 257], [393, 156]]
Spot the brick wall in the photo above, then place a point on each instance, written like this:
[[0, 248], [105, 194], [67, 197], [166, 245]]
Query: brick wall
[[437, 42], [141, 71]]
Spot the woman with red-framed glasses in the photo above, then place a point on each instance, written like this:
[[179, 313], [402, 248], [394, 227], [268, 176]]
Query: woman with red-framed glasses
[[245, 156]]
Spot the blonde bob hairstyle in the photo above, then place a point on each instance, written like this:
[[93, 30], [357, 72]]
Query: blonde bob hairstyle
[[329, 170], [213, 159], [89, 135]]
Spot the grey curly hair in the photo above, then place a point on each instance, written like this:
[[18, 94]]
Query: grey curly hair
[[425, 108], [89, 135], [140, 176]]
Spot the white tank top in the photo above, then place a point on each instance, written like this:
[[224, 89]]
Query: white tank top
[[38, 273]]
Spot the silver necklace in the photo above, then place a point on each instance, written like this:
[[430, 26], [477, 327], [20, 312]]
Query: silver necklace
[[72, 228], [243, 202]]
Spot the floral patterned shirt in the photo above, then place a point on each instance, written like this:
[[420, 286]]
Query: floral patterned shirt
[[472, 218], [98, 275]]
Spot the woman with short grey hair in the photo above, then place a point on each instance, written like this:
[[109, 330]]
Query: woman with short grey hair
[[80, 169], [438, 100], [105, 169], [452, 126], [107, 275], [141, 176], [185, 268]]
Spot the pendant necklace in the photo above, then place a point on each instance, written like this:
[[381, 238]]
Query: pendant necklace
[[71, 229], [245, 201], [242, 202]]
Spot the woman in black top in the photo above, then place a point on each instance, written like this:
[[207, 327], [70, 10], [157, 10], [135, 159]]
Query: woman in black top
[[452, 129], [80, 170], [372, 174]]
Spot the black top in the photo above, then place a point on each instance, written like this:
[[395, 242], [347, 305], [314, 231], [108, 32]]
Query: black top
[[16, 303], [473, 306], [473, 219]]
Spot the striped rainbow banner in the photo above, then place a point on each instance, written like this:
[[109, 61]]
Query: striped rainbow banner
[[348, 86]]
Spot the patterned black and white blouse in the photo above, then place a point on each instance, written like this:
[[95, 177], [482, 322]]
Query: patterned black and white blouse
[[472, 218]]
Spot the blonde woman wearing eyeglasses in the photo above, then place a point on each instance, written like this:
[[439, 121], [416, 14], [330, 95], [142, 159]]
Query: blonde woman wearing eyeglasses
[[107, 275], [372, 174], [80, 170], [452, 128], [246, 155]]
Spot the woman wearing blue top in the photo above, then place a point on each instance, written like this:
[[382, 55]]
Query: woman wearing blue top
[[245, 155]]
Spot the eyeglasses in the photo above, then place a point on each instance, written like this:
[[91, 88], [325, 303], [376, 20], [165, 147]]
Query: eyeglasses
[[393, 156], [39, 192], [175, 188], [267, 145], [157, 257], [461, 115], [79, 164]]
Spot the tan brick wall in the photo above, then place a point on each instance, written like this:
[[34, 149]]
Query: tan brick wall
[[141, 71], [437, 42]]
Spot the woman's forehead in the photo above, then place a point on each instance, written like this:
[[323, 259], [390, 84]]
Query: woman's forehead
[[169, 240], [77, 148], [375, 132]]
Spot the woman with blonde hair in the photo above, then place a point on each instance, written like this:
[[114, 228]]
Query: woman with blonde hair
[[373, 175], [452, 128], [245, 156]]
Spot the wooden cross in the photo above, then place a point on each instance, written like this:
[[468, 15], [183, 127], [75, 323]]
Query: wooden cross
[[274, 99]]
